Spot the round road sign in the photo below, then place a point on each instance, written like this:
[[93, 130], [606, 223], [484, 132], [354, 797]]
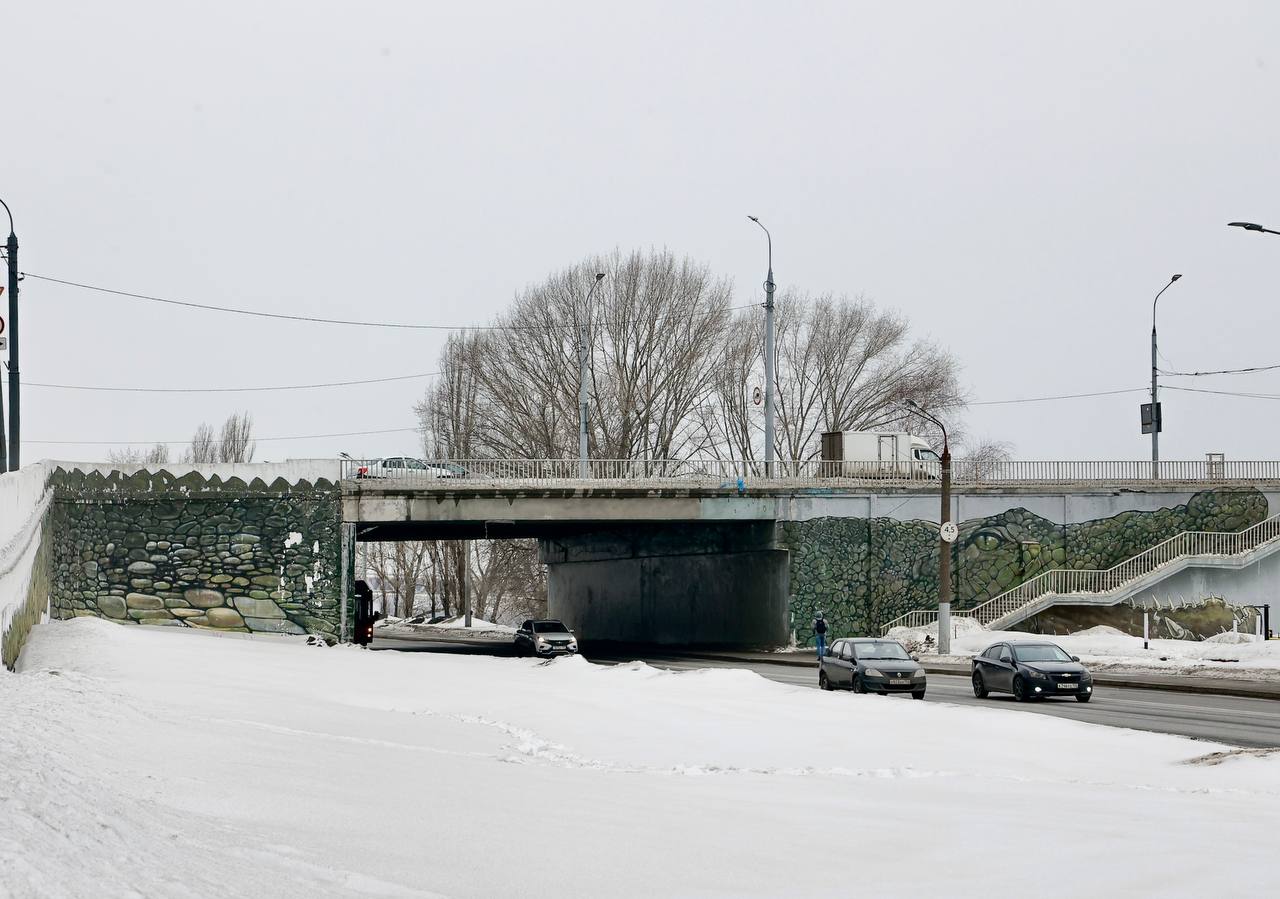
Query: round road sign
[[949, 532]]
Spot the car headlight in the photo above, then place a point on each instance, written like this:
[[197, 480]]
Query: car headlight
[[542, 644], [918, 674], [872, 672], [1038, 675]]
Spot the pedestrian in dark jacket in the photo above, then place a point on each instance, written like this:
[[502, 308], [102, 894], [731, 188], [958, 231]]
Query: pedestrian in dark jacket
[[820, 634]]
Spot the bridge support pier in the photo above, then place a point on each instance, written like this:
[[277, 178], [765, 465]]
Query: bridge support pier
[[676, 585]]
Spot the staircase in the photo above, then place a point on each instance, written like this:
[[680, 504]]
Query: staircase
[[1080, 587]]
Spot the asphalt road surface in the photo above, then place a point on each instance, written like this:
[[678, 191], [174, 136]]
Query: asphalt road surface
[[1225, 719]]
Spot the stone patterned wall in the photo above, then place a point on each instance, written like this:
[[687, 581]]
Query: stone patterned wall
[[153, 550], [862, 573]]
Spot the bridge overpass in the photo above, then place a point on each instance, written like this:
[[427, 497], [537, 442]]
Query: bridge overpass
[[719, 553], [677, 553]]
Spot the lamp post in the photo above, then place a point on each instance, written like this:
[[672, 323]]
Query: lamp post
[[1156, 418], [9, 460], [584, 466], [944, 537], [1250, 226], [768, 356]]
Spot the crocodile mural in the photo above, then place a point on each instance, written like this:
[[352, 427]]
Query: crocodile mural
[[864, 572]]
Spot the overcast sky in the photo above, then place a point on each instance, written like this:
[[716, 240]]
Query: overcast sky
[[1019, 179]]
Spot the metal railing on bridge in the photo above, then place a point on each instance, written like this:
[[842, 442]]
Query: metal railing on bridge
[[726, 472]]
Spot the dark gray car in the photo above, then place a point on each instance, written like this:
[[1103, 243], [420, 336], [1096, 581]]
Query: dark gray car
[[869, 665], [1030, 671]]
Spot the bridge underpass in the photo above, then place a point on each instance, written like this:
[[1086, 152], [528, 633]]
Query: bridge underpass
[[622, 566], [688, 563]]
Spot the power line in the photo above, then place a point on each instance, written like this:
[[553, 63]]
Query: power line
[[1225, 371], [275, 315], [1240, 393], [1065, 396], [282, 316], [186, 442], [427, 374]]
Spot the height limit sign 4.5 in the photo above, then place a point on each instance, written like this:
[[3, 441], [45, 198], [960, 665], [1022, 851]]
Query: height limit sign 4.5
[[1152, 423]]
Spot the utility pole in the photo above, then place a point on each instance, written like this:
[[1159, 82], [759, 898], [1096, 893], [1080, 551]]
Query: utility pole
[[584, 464], [947, 533], [1156, 421], [768, 356], [9, 461], [466, 581]]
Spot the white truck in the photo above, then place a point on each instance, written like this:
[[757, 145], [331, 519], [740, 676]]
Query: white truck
[[878, 454]]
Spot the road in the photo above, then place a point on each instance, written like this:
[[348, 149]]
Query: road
[[1225, 719]]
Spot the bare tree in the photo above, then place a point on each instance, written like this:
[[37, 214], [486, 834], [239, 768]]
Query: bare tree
[[512, 392], [983, 458], [157, 455], [400, 569], [236, 442], [842, 365], [233, 444], [204, 446]]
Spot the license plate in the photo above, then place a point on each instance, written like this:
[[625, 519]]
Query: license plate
[[900, 681], [1067, 686]]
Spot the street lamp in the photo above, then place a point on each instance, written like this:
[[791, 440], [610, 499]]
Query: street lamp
[[584, 465], [10, 459], [945, 536], [768, 356], [1156, 420], [1250, 226]]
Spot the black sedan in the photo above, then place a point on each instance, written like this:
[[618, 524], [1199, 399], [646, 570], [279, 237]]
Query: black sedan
[[1030, 671], [871, 666]]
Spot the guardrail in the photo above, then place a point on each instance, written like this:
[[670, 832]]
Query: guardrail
[[721, 471], [1072, 581]]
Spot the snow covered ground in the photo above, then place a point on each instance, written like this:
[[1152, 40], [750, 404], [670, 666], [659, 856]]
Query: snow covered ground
[[181, 763], [1105, 648], [454, 627]]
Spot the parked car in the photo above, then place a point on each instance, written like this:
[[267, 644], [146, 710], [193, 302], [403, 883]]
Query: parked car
[[869, 665], [406, 467], [1030, 670], [546, 637]]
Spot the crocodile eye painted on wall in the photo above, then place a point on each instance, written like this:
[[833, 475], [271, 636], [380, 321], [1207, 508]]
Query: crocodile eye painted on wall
[[987, 541]]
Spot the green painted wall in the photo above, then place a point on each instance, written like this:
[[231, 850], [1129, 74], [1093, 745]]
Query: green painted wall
[[864, 572]]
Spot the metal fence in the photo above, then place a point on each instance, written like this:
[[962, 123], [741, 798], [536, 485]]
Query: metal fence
[[1068, 581], [438, 472]]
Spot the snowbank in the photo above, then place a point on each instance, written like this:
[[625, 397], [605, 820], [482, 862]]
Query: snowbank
[[1106, 648], [172, 763]]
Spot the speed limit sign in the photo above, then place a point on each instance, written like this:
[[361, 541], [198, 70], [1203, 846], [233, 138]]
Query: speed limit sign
[[949, 532]]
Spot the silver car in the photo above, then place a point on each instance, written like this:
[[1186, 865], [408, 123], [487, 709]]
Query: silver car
[[546, 637], [408, 468]]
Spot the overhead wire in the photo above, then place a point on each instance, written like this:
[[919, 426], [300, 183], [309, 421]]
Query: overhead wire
[[261, 389], [186, 442], [314, 319]]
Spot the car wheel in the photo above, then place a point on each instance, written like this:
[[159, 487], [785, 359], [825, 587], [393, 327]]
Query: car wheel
[[823, 683], [1019, 689], [858, 685], [918, 694], [979, 686], [1083, 697]]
